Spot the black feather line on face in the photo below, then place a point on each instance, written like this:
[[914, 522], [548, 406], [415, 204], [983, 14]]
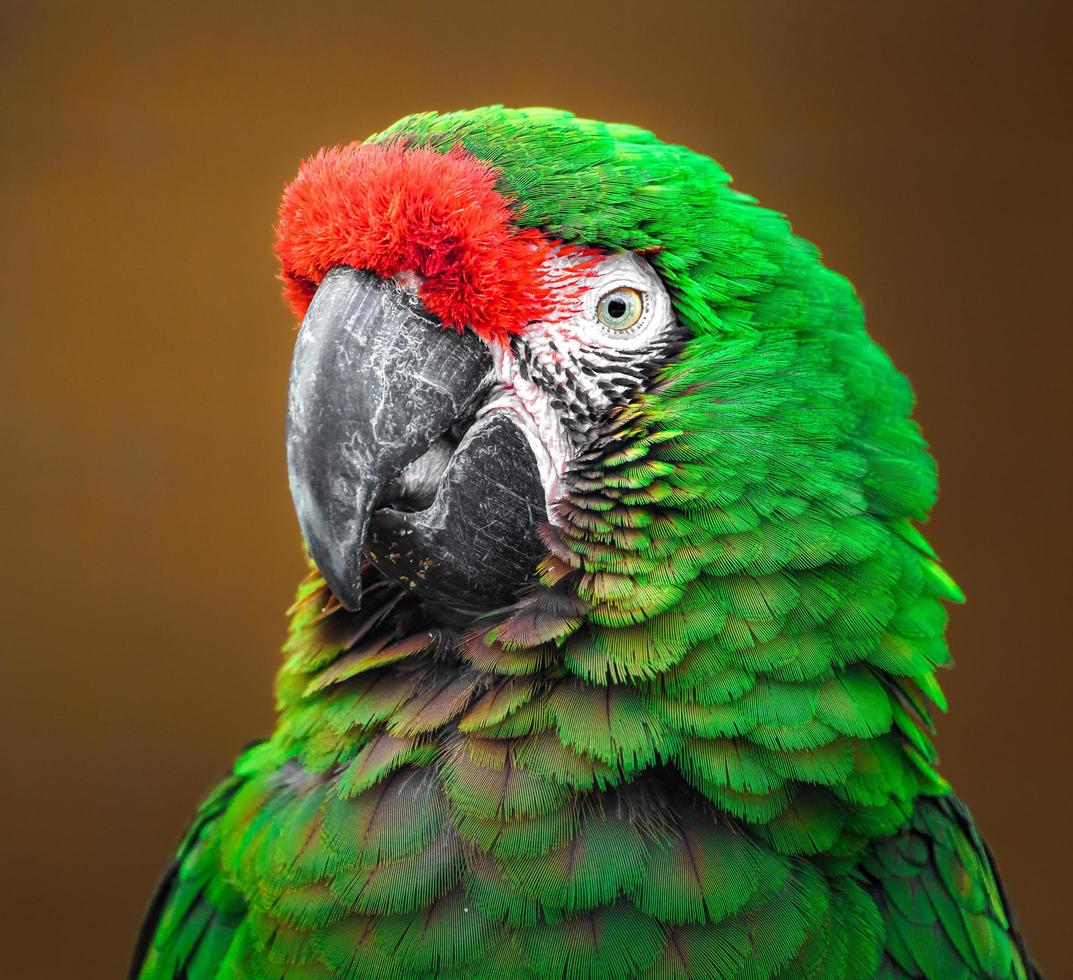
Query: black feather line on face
[[586, 386]]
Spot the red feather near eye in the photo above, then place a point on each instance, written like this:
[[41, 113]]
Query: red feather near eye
[[392, 209]]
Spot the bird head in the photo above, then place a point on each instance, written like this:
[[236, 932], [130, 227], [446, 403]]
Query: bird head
[[451, 364], [513, 317]]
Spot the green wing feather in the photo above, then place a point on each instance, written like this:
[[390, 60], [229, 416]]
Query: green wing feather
[[194, 914], [945, 912]]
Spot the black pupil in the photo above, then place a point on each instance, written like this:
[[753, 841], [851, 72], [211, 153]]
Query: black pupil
[[616, 308]]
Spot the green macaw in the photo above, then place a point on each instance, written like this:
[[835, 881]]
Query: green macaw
[[618, 647]]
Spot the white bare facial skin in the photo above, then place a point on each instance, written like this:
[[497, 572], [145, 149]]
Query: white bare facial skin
[[562, 374]]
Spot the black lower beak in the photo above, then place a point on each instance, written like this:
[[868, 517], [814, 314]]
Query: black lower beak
[[378, 390]]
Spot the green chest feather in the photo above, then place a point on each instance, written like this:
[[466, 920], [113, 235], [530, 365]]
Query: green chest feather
[[436, 808]]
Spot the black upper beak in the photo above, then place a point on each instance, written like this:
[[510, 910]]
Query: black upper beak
[[377, 385]]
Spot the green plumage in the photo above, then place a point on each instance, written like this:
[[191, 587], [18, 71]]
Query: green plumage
[[698, 748]]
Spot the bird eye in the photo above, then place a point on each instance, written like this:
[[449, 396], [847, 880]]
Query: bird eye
[[620, 309]]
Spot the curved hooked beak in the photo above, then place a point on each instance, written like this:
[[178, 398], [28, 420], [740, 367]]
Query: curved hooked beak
[[385, 458]]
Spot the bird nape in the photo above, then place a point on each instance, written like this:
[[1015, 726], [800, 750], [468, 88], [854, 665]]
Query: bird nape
[[617, 652]]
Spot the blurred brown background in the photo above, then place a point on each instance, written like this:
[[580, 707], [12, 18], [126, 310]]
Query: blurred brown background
[[149, 545]]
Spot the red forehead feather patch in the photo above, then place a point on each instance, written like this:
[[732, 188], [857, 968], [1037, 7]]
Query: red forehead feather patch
[[392, 209]]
